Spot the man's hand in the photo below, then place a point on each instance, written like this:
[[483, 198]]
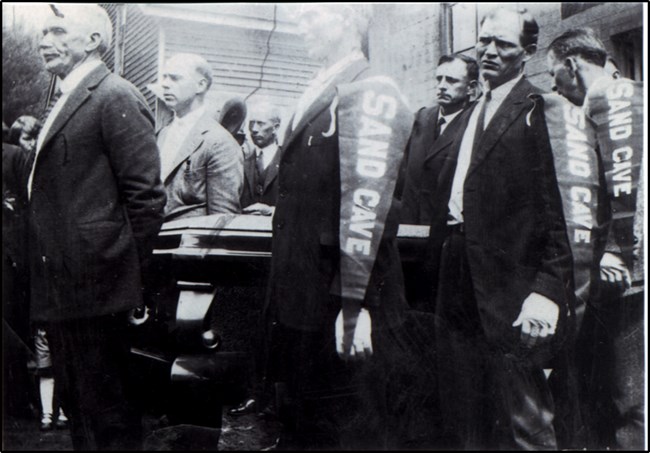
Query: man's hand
[[614, 271], [538, 319], [259, 209], [354, 340]]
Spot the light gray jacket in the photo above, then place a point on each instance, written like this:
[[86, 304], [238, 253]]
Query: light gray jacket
[[208, 174]]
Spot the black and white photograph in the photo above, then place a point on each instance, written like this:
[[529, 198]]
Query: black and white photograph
[[324, 226]]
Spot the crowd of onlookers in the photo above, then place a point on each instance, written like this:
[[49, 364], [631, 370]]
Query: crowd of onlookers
[[522, 327]]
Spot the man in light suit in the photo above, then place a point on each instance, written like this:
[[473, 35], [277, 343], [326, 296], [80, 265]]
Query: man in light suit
[[336, 287], [95, 205], [498, 238], [457, 80], [261, 164], [202, 164]]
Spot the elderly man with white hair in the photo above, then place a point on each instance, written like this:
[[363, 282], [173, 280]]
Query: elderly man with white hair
[[95, 205], [336, 287]]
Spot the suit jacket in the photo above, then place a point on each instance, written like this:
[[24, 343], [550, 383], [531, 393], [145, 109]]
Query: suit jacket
[[305, 287], [263, 191], [516, 240], [207, 176], [417, 196], [96, 202]]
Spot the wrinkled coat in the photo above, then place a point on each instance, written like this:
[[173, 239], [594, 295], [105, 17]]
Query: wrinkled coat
[[96, 202], [207, 176]]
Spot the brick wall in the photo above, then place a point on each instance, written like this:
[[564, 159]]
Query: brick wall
[[606, 20], [406, 40]]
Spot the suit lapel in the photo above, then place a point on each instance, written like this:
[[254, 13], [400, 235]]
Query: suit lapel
[[192, 143], [506, 114], [428, 134], [249, 172], [77, 97], [324, 100], [272, 169], [451, 134]]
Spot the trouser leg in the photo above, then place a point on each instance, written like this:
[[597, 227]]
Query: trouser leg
[[90, 360]]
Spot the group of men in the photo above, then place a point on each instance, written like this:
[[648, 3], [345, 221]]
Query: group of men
[[480, 171]]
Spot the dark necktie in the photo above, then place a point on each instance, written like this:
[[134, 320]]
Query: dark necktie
[[50, 105], [480, 122], [441, 121], [259, 165]]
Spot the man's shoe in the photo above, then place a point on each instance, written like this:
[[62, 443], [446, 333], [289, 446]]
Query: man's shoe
[[247, 407], [62, 422], [46, 422]]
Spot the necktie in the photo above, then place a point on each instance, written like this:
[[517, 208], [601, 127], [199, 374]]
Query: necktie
[[50, 105], [480, 122], [438, 131], [259, 164]]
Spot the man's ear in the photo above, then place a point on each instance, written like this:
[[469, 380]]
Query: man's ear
[[94, 42], [472, 89], [529, 51], [202, 86], [571, 65]]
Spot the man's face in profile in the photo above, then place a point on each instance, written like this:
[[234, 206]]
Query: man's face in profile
[[63, 45]]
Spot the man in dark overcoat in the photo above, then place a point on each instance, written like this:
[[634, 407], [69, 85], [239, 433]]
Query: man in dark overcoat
[[95, 205], [336, 287], [498, 238]]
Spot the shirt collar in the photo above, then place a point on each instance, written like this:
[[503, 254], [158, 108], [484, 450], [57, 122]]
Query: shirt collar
[[268, 148], [334, 69], [77, 75], [500, 93], [449, 118], [189, 119]]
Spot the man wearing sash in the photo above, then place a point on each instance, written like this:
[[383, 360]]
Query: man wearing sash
[[336, 286], [577, 62], [499, 240]]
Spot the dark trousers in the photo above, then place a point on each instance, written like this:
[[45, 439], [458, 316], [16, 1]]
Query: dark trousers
[[611, 369], [489, 398], [332, 404], [90, 360]]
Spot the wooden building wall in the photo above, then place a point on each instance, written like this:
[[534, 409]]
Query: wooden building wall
[[135, 47], [241, 66]]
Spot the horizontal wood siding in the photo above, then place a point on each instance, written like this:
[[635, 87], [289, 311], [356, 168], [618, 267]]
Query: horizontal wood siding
[[236, 56], [139, 35]]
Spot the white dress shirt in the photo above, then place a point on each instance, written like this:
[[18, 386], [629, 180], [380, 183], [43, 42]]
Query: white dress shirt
[[467, 144], [320, 82], [66, 86], [268, 153], [448, 119], [175, 137]]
